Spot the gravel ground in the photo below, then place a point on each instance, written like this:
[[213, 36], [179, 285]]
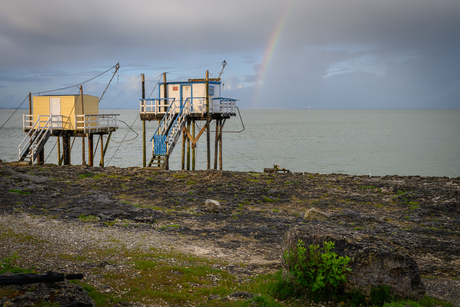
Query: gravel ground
[[41, 210], [49, 238], [444, 289]]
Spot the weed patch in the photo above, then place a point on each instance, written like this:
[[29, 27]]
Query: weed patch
[[20, 192]]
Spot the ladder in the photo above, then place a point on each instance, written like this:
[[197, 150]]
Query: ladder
[[168, 132], [35, 139]]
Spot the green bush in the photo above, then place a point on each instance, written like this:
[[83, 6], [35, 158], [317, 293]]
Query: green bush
[[316, 271]]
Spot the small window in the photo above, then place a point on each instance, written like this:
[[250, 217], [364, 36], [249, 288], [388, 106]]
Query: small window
[[211, 90]]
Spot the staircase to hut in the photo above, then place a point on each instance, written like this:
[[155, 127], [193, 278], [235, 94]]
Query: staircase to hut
[[35, 140], [168, 132]]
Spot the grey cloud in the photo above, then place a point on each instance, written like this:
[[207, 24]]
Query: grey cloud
[[414, 44]]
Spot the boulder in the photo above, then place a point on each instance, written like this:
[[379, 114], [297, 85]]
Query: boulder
[[315, 214], [63, 293], [374, 261], [212, 205]]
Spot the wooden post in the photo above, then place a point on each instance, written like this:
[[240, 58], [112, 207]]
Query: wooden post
[[188, 146], [90, 150], [208, 135], [216, 144], [66, 149], [30, 104], [193, 147], [220, 145], [165, 92], [83, 162], [183, 149], [59, 150], [41, 157], [144, 158], [102, 151], [107, 143]]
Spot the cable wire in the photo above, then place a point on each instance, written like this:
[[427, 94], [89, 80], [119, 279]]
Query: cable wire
[[14, 112], [64, 88]]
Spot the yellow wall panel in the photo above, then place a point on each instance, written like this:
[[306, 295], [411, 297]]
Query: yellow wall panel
[[70, 105]]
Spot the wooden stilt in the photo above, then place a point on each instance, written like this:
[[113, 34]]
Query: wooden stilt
[[41, 157], [66, 149], [208, 121], [107, 143], [102, 151], [83, 162], [220, 145], [216, 144], [59, 150], [90, 150], [188, 145], [193, 147], [183, 148]]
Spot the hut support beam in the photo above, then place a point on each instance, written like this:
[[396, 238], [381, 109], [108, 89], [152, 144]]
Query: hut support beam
[[222, 123], [90, 150], [216, 144], [189, 144], [66, 149], [193, 147], [101, 137]]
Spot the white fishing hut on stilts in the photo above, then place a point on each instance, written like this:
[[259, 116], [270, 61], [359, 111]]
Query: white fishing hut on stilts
[[177, 109]]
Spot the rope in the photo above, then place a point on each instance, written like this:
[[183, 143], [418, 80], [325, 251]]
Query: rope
[[122, 92], [64, 88], [122, 141], [137, 134], [14, 112], [158, 82]]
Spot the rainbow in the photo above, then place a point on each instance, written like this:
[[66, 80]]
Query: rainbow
[[270, 50]]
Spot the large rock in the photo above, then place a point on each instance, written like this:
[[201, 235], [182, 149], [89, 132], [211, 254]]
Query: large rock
[[64, 293], [315, 214], [212, 205], [374, 261]]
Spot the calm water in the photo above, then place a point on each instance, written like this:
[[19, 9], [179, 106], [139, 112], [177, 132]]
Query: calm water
[[380, 142]]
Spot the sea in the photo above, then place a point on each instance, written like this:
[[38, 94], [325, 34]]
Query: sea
[[354, 142]]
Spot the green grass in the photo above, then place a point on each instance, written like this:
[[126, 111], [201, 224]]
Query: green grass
[[167, 277], [88, 218], [20, 192], [99, 176], [181, 279], [127, 202], [82, 176]]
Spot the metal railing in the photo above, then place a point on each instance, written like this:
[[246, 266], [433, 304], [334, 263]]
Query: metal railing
[[155, 106], [90, 123], [168, 131], [224, 105], [36, 134], [161, 106], [28, 121]]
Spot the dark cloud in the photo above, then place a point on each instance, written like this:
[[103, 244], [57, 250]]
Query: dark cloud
[[355, 53]]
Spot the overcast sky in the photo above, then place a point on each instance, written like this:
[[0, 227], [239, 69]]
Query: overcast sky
[[326, 54]]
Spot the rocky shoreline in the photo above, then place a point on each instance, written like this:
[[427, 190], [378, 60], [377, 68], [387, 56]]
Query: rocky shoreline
[[254, 213]]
